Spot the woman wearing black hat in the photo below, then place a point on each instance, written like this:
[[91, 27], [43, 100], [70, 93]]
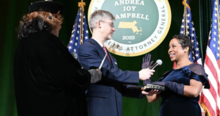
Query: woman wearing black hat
[[48, 80]]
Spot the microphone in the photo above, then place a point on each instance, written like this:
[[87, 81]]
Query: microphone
[[158, 63], [149, 86]]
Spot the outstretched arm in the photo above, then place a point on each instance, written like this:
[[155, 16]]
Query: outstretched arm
[[89, 57]]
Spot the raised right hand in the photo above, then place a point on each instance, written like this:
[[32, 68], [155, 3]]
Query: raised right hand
[[145, 74], [146, 63]]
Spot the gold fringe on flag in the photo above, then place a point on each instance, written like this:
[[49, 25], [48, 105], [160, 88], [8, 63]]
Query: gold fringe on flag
[[205, 109]]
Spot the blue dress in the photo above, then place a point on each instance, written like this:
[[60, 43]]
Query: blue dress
[[179, 105]]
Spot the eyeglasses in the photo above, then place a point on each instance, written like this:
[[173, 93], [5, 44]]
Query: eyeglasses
[[111, 24]]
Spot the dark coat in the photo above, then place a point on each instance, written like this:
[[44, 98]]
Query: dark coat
[[48, 80], [105, 97]]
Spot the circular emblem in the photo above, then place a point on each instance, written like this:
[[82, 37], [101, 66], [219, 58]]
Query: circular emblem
[[141, 25]]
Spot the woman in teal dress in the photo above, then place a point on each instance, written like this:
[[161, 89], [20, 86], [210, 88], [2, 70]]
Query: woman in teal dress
[[183, 83]]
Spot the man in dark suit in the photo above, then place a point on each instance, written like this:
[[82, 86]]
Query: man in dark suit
[[104, 98]]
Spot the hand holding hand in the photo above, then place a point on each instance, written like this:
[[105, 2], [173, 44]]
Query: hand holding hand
[[145, 74]]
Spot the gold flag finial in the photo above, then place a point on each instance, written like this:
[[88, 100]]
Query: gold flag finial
[[186, 4], [81, 4]]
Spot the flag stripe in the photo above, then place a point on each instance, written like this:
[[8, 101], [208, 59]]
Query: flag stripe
[[207, 102], [212, 93], [212, 58], [213, 84], [199, 61], [214, 72], [212, 66], [209, 71]]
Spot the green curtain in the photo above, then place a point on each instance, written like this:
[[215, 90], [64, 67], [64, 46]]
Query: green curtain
[[13, 10]]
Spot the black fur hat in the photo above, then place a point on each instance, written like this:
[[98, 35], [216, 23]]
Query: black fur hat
[[48, 6]]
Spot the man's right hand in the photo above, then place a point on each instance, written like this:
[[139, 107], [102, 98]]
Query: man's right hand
[[145, 74]]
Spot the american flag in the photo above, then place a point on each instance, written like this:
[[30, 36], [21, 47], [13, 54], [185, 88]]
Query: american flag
[[75, 40], [187, 28], [210, 97]]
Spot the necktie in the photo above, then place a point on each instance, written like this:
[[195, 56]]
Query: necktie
[[106, 53]]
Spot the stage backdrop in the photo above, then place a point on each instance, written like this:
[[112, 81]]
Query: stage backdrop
[[13, 10]]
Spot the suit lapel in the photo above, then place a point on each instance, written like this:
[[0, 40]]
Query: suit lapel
[[111, 57], [100, 50]]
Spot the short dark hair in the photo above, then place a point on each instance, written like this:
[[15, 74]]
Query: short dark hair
[[184, 41]]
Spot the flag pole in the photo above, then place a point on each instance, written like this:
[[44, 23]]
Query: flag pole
[[185, 15], [185, 12], [218, 30], [81, 5], [184, 22], [218, 40]]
